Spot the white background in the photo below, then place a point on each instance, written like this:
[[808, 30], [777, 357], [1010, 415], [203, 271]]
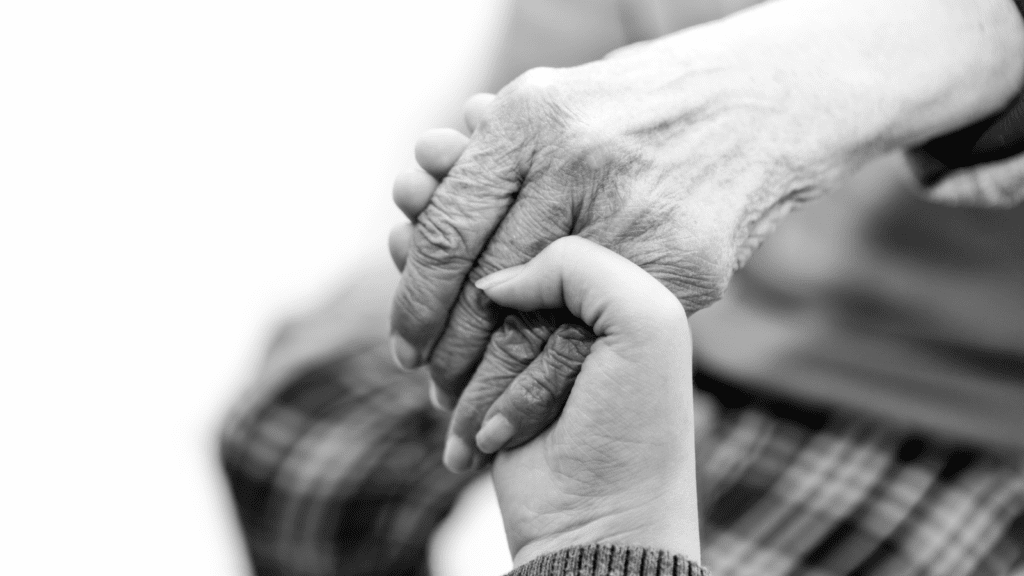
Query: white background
[[174, 176]]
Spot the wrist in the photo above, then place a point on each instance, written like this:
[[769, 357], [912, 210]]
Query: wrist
[[678, 535], [864, 78], [661, 515]]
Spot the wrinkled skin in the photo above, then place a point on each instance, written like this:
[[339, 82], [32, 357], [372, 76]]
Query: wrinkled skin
[[619, 463], [550, 158], [680, 154]]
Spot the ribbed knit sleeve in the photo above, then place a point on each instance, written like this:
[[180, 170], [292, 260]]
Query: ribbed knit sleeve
[[610, 560]]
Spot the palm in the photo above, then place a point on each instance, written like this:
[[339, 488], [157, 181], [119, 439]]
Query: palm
[[583, 468]]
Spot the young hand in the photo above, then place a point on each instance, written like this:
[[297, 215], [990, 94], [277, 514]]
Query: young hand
[[618, 463]]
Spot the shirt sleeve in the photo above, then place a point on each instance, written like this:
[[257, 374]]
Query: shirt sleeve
[[609, 559], [981, 164]]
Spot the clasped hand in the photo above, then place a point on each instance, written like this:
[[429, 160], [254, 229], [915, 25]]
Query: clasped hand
[[680, 154], [617, 466], [571, 152]]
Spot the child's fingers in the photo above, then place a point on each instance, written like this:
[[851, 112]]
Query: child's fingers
[[437, 150], [399, 242], [605, 290], [412, 191], [475, 109]]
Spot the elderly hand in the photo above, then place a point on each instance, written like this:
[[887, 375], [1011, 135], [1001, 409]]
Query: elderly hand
[[618, 463], [680, 154]]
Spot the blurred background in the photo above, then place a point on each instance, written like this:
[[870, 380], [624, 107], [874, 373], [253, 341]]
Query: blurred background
[[176, 176], [179, 177]]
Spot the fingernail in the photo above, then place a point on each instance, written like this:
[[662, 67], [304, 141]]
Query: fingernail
[[458, 456], [440, 399], [403, 354], [494, 434], [499, 277]]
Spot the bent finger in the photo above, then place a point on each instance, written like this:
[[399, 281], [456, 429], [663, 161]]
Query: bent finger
[[412, 191], [537, 218], [536, 397], [398, 244], [439, 149], [450, 234], [512, 347]]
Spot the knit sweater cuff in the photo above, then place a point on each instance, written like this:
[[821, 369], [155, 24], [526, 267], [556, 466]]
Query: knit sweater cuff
[[610, 560]]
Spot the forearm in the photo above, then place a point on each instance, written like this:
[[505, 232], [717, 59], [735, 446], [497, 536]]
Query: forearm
[[878, 74]]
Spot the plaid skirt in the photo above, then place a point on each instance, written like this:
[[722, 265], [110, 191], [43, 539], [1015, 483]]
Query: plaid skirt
[[338, 471]]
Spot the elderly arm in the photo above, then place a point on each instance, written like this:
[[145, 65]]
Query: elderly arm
[[681, 154]]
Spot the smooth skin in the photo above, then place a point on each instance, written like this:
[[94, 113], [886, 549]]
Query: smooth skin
[[680, 154], [618, 463]]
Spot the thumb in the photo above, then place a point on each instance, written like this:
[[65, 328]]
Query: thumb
[[598, 286]]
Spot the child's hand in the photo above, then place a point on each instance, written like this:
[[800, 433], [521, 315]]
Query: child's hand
[[618, 463]]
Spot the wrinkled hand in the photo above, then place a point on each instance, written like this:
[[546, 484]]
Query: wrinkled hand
[[618, 463], [595, 151], [680, 154]]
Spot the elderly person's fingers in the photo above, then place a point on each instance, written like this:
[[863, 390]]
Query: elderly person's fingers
[[530, 224], [536, 396], [450, 234], [412, 191], [514, 396], [539, 363], [436, 153], [438, 150], [398, 244], [475, 110], [501, 364]]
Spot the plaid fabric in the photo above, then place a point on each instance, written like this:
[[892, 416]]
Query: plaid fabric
[[791, 491], [339, 473]]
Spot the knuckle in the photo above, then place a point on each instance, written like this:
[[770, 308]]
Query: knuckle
[[516, 247], [481, 342], [510, 350], [561, 360], [572, 343], [411, 313], [532, 397], [535, 83], [537, 98], [520, 339], [440, 241], [545, 385], [487, 169]]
